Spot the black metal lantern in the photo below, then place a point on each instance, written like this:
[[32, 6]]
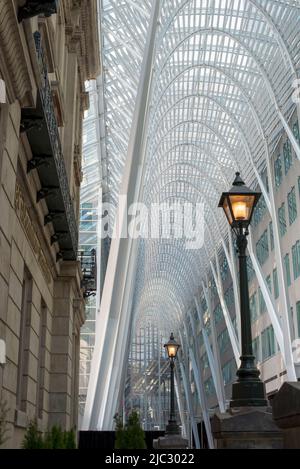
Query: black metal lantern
[[172, 347], [239, 203]]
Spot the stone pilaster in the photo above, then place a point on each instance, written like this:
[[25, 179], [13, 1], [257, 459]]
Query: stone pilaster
[[64, 349]]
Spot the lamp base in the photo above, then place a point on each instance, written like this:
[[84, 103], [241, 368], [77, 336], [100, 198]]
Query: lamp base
[[248, 390], [172, 428]]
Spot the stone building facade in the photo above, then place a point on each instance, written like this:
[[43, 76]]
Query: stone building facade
[[47, 51]]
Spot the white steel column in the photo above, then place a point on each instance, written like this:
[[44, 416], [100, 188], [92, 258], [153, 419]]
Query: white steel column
[[202, 399], [116, 279], [188, 397], [184, 419], [231, 331], [122, 347], [215, 371], [189, 353]]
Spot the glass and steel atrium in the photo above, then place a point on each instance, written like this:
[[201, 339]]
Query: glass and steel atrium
[[191, 91]]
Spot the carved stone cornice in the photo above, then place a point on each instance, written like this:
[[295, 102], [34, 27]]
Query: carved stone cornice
[[77, 165], [91, 38], [82, 33], [14, 64]]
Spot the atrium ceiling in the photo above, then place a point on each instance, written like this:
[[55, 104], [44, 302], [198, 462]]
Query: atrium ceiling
[[222, 77], [191, 92]]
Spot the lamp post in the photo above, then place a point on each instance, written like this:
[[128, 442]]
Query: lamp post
[[238, 205], [172, 348]]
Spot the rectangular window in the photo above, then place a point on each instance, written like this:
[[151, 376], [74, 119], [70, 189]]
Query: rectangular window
[[229, 371], [268, 342], [253, 307], [224, 269], [278, 171], [218, 313], [296, 131], [292, 324], [271, 235], [23, 341], [259, 211], [296, 259], [209, 386], [223, 340], [250, 269], [287, 269], [262, 248], [256, 348], [262, 304], [298, 316], [275, 283], [292, 205], [282, 220], [229, 298], [287, 156]]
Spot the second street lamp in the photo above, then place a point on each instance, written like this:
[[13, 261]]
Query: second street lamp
[[172, 348], [238, 205]]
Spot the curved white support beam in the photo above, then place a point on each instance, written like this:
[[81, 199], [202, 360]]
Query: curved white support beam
[[189, 354], [188, 398], [281, 42], [228, 321], [202, 399], [116, 279], [184, 419], [213, 364]]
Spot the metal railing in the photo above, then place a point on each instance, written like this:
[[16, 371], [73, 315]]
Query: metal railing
[[52, 127], [89, 270]]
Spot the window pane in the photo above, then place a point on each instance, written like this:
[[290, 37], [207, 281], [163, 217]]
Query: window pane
[[282, 220], [271, 235], [287, 269], [298, 317], [262, 304], [292, 205], [256, 348], [253, 307], [262, 248], [278, 171], [287, 155], [296, 259], [275, 283]]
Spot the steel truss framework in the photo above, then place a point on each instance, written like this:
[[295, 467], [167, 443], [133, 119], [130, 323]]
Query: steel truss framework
[[194, 90]]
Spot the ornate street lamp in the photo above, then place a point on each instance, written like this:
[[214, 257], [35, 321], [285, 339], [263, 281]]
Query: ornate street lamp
[[172, 348], [238, 205]]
